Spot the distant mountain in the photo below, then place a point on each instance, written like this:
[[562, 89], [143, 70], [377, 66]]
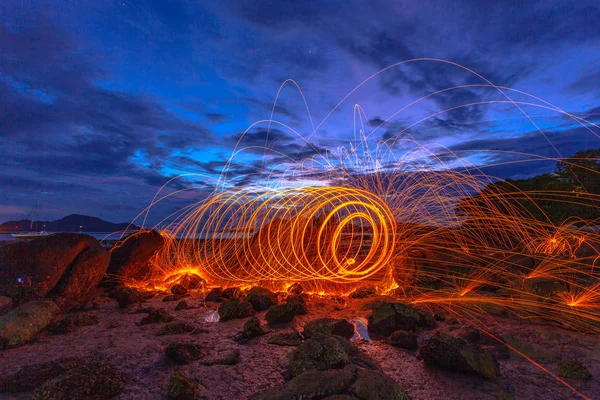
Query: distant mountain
[[70, 223]]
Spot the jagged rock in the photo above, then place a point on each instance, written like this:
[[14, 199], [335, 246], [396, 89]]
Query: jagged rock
[[215, 294], [184, 352], [374, 385], [389, 317], [331, 352], [23, 323], [182, 388], [574, 369], [403, 339], [285, 339], [297, 304], [229, 357], [363, 292], [452, 354], [295, 290], [131, 259], [32, 376], [72, 322], [175, 328], [311, 385], [234, 308], [261, 298], [182, 305], [232, 292], [323, 327], [157, 316], [178, 289], [93, 380], [251, 330], [127, 296], [63, 266]]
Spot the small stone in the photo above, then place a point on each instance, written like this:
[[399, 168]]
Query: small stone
[[323, 327], [363, 292], [252, 329], [127, 296], [178, 289], [295, 290], [261, 298], [72, 322], [403, 339], [572, 368], [297, 304], [157, 316], [234, 308], [285, 339], [184, 352], [182, 305], [182, 388], [229, 357]]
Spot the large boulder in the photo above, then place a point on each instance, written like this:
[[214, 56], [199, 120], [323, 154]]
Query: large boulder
[[131, 260], [261, 298], [457, 355], [67, 266], [390, 317], [23, 323], [323, 327]]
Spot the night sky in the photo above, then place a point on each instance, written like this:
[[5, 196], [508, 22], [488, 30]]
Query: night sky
[[102, 102]]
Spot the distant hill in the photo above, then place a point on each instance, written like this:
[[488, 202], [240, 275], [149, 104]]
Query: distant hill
[[70, 223]]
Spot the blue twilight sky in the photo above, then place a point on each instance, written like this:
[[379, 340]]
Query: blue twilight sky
[[102, 102]]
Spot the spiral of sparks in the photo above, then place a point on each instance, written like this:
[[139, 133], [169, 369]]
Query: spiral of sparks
[[331, 233]]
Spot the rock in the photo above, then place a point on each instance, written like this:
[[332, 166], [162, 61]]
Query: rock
[[93, 380], [295, 290], [178, 289], [251, 330], [456, 355], [182, 305], [574, 369], [285, 339], [374, 385], [323, 327], [175, 328], [182, 388], [279, 313], [131, 260], [155, 316], [229, 357], [363, 292], [261, 298], [546, 288], [234, 308], [175, 297], [403, 339], [32, 376], [232, 292], [311, 385], [127, 296], [389, 317], [65, 265], [297, 304], [215, 294], [23, 323], [331, 352], [72, 322], [191, 281], [184, 352]]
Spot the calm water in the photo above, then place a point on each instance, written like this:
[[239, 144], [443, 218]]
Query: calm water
[[97, 235]]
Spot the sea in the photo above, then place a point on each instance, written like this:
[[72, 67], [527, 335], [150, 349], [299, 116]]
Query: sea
[[6, 237]]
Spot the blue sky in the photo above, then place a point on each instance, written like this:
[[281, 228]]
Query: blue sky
[[102, 102]]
